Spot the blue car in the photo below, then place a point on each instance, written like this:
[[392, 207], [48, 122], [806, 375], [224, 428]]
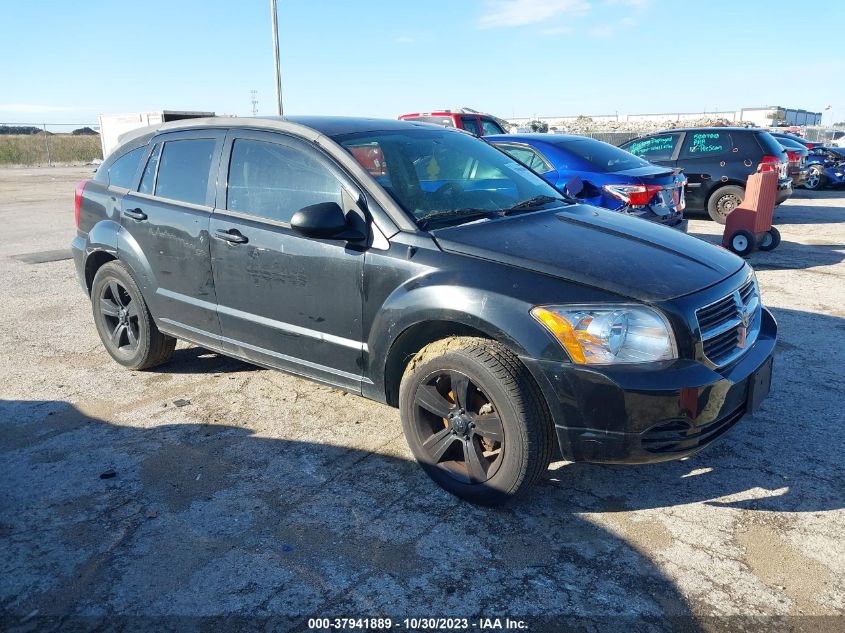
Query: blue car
[[827, 168], [601, 174]]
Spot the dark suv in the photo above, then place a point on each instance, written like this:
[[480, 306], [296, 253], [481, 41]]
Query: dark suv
[[421, 267], [717, 162]]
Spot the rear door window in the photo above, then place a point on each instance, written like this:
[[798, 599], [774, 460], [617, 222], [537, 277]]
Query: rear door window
[[274, 181], [655, 148], [122, 171], [184, 169], [705, 144]]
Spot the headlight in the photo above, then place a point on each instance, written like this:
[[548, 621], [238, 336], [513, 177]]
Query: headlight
[[604, 335]]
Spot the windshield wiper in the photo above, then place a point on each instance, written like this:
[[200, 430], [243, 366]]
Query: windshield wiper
[[531, 203], [463, 213]]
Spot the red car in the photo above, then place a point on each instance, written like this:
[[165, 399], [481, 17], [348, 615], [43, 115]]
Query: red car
[[475, 122]]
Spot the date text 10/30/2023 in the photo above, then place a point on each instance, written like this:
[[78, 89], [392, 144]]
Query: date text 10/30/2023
[[417, 624]]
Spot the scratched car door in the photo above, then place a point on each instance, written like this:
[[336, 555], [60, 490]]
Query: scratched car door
[[283, 299]]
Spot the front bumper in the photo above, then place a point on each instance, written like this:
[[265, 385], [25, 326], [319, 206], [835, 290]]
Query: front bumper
[[639, 414]]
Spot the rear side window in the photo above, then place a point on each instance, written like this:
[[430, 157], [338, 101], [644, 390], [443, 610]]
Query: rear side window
[[183, 170], [148, 179], [768, 143], [122, 171], [706, 144], [603, 156], [275, 181], [660, 147]]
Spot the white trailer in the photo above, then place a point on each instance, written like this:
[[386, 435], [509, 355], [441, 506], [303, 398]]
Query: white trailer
[[113, 126]]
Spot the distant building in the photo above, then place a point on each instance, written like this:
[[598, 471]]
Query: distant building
[[777, 116]]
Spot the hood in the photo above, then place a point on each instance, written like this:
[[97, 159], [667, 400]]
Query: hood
[[599, 248]]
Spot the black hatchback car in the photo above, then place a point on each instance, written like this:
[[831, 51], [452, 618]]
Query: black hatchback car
[[717, 162], [421, 267]]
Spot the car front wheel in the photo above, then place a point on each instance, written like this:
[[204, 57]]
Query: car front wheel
[[124, 322], [475, 419]]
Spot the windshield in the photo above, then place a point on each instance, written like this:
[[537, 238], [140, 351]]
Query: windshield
[[446, 173], [604, 156]]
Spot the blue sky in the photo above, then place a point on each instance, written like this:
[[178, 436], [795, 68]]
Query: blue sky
[[68, 61]]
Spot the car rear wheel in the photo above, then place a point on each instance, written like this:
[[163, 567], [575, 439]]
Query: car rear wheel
[[124, 322], [475, 419], [723, 201], [815, 178]]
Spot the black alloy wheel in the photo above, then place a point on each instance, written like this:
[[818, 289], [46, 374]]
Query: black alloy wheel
[[124, 322], [475, 419], [459, 427], [120, 315]]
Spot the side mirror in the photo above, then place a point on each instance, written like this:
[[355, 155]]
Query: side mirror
[[324, 220]]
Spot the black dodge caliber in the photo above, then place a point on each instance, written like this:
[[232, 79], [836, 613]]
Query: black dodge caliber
[[421, 267]]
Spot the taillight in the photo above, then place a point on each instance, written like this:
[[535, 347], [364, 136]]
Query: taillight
[[77, 200], [635, 195], [794, 157], [770, 163]]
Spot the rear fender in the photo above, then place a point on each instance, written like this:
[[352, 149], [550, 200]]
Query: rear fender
[[131, 254]]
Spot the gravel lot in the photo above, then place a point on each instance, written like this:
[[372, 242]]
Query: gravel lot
[[271, 496]]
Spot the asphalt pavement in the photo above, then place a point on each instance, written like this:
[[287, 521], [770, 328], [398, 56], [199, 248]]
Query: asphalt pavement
[[209, 487]]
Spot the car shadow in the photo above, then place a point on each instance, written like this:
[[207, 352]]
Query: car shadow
[[198, 360], [803, 208], [191, 524], [789, 255], [787, 457]]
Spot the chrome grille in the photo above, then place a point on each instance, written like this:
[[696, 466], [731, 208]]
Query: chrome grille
[[730, 325]]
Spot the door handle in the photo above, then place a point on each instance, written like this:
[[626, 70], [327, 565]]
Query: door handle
[[135, 214], [233, 236]]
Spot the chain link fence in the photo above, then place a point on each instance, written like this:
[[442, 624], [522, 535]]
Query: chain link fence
[[823, 134], [49, 143]]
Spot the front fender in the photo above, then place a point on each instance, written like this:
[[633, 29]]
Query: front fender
[[432, 300]]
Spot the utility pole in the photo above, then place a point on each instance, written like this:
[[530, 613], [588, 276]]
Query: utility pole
[[254, 98], [275, 21]]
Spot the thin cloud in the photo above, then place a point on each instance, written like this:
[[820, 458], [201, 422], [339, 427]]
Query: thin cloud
[[403, 39], [612, 28], [511, 13]]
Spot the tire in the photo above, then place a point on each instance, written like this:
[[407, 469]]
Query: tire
[[816, 179], [770, 240], [486, 463], [742, 242], [124, 322], [723, 201]]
